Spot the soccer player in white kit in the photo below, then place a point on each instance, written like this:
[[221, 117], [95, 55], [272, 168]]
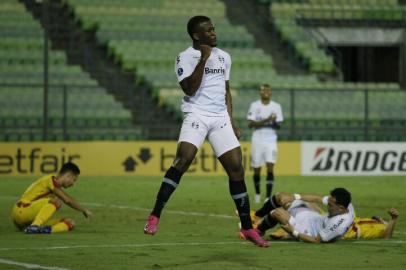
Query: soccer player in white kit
[[203, 72], [305, 222], [265, 117]]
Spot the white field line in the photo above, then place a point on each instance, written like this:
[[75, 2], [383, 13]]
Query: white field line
[[30, 265], [184, 213], [145, 245]]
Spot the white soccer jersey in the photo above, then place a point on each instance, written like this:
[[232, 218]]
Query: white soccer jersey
[[209, 99], [258, 112], [331, 229], [309, 222]]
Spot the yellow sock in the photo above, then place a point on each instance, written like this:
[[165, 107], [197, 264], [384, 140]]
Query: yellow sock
[[44, 214], [60, 227]]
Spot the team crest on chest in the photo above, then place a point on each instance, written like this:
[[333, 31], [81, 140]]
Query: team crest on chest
[[221, 59]]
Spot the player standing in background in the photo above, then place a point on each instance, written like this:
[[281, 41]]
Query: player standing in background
[[265, 117], [43, 198], [203, 72]]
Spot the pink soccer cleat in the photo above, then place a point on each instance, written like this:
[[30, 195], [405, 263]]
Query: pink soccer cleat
[[152, 225], [253, 236]]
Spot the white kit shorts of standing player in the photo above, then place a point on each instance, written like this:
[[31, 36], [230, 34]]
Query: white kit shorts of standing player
[[217, 129], [263, 152]]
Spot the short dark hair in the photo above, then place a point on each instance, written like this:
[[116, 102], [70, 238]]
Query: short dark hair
[[194, 22], [70, 167], [265, 85], [342, 196]]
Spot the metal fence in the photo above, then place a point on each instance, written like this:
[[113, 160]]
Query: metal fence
[[77, 112]]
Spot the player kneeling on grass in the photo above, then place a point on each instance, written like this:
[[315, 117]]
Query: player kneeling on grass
[[33, 211], [306, 223]]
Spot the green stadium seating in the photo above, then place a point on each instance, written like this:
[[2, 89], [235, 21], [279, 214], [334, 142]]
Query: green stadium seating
[[21, 94]]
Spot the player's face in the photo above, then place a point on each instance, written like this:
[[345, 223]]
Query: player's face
[[333, 207], [68, 179], [266, 93], [206, 34]]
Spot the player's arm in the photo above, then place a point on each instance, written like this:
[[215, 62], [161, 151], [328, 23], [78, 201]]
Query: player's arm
[[287, 198], [190, 84], [267, 122], [229, 103], [388, 232], [300, 236], [68, 200]]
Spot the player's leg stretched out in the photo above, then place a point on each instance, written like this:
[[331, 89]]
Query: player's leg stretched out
[[184, 157]]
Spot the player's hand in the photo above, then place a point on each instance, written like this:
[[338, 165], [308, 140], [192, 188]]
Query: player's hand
[[272, 118], [87, 213], [393, 213], [205, 50]]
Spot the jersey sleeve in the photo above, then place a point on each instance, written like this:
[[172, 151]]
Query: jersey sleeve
[[335, 228], [279, 115], [228, 66], [184, 66], [351, 210], [251, 113]]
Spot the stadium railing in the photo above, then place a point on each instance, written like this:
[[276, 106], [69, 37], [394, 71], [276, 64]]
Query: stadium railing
[[75, 112]]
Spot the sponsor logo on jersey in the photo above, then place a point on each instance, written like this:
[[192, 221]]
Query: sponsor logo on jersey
[[214, 70], [221, 59]]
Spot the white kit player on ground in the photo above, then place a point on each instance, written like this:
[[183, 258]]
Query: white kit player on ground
[[299, 217], [203, 73], [265, 118]]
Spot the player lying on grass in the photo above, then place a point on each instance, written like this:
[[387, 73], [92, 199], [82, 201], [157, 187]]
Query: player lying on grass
[[306, 223], [362, 228], [33, 211]]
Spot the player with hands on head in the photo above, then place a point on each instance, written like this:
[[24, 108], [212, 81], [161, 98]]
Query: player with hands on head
[[34, 210], [265, 118], [203, 72]]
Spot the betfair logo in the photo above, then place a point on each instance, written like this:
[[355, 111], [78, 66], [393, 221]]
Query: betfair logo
[[214, 70], [35, 160]]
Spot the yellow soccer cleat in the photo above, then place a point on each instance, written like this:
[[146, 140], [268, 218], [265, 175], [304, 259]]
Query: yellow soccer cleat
[[255, 219]]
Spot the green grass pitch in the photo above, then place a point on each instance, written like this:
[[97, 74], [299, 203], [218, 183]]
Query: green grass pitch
[[198, 229]]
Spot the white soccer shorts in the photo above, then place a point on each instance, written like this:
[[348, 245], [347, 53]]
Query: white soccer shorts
[[263, 153], [217, 129], [301, 217]]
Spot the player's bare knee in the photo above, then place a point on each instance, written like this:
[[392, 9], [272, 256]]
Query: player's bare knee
[[281, 197], [56, 202], [278, 197]]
